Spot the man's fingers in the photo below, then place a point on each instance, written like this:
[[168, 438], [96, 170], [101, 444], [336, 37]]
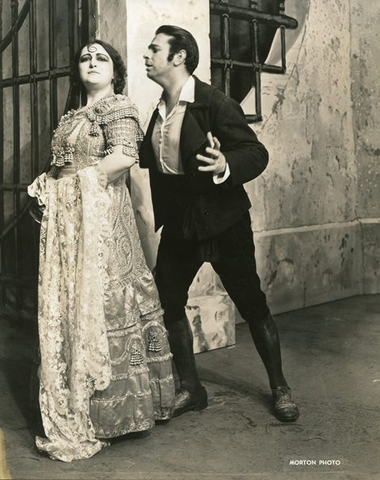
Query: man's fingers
[[210, 161], [215, 159], [210, 139], [213, 152], [208, 168], [213, 141]]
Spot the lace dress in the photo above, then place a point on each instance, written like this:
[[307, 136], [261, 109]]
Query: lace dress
[[105, 359]]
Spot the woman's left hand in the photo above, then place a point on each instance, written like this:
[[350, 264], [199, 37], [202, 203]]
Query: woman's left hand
[[116, 163]]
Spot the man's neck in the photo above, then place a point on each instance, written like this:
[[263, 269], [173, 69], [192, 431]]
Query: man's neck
[[172, 90]]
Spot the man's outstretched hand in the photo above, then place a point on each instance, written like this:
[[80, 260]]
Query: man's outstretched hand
[[215, 160]]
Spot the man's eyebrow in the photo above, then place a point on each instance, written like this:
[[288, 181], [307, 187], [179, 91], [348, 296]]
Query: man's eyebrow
[[153, 45]]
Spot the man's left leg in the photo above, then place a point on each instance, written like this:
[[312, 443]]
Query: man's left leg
[[177, 265], [236, 267]]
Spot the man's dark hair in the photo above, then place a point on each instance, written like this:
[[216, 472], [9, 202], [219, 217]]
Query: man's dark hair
[[181, 39], [120, 72]]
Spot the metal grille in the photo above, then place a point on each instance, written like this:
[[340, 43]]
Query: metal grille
[[38, 39], [258, 21]]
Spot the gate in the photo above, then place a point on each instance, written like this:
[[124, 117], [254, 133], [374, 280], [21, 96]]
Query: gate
[[38, 39]]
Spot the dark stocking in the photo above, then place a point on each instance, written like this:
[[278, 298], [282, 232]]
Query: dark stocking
[[265, 336], [181, 345]]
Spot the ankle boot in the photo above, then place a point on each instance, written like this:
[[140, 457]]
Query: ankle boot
[[284, 406], [191, 395]]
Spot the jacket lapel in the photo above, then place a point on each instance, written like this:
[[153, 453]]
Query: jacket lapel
[[146, 153], [193, 136]]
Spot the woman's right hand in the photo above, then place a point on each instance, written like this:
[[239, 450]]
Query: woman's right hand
[[36, 210], [50, 181]]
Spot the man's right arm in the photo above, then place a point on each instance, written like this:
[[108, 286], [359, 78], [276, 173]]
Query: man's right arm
[[246, 157]]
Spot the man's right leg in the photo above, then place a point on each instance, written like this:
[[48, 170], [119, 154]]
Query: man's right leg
[[177, 265]]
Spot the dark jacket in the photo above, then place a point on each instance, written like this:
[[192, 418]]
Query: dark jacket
[[214, 208]]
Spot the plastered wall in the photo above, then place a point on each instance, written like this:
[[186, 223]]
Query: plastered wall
[[315, 209], [365, 73], [304, 215]]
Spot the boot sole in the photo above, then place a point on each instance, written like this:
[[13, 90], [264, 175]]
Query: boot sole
[[289, 418]]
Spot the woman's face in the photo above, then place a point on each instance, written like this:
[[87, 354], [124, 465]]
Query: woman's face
[[95, 68]]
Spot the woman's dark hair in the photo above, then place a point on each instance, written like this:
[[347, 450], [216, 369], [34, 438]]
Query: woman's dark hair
[[120, 72], [181, 39]]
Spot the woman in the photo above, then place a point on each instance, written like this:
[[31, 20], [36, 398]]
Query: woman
[[105, 361]]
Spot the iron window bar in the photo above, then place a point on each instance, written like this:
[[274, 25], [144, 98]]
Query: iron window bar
[[15, 81], [82, 22], [227, 63]]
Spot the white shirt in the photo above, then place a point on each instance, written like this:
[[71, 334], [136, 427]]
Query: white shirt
[[167, 131]]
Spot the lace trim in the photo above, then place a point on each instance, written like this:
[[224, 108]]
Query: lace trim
[[73, 453], [130, 150], [154, 323], [119, 431], [160, 359], [134, 373], [123, 332], [117, 113], [168, 379], [120, 399], [102, 176], [66, 118], [154, 315], [39, 190]]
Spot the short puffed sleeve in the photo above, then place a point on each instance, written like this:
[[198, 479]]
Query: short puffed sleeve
[[119, 120]]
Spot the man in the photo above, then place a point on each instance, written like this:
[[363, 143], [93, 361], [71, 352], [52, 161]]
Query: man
[[200, 151]]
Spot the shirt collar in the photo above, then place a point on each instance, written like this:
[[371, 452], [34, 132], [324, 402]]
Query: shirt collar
[[187, 94], [188, 91]]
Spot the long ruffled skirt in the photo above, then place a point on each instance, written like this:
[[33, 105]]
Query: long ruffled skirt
[[105, 359]]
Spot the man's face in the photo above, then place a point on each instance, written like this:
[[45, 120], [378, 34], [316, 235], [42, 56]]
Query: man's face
[[156, 58]]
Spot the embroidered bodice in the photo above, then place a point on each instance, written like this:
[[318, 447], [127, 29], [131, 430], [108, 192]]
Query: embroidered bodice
[[85, 136]]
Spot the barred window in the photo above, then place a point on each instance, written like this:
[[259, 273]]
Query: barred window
[[242, 33]]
